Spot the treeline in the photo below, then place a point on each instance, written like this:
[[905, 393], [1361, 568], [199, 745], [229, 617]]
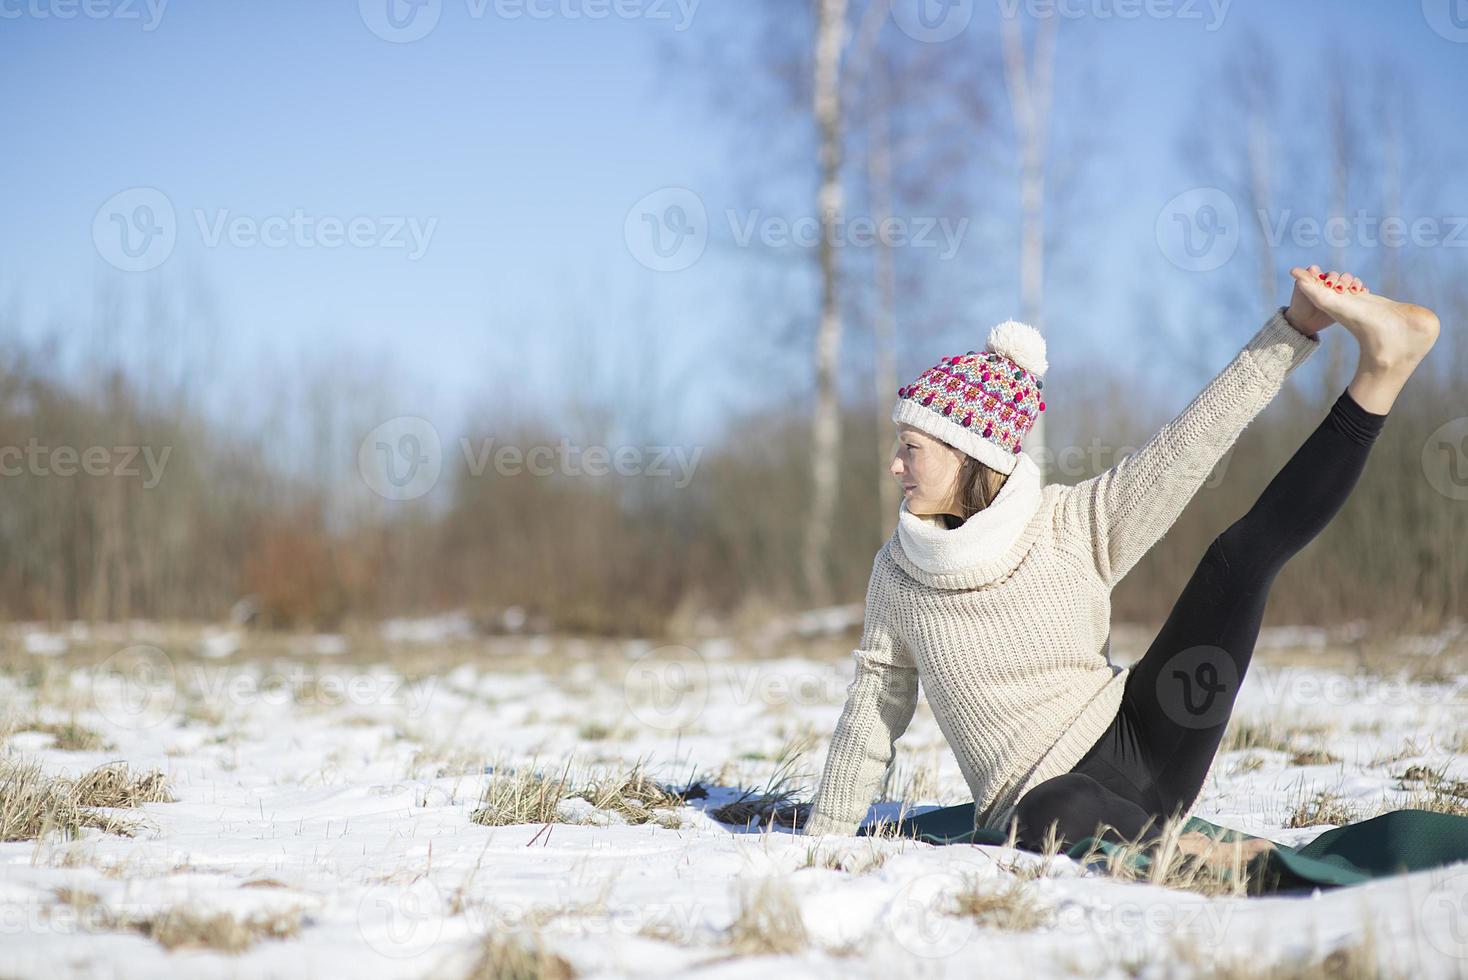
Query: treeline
[[118, 504]]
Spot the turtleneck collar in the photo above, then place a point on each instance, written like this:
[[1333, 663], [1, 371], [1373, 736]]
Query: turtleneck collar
[[985, 546]]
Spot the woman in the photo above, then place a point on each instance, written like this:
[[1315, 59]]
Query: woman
[[994, 589]]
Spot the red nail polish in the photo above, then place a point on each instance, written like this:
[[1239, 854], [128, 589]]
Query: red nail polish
[[1340, 289], [1324, 276]]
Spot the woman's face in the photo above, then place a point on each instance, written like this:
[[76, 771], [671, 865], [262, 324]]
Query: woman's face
[[927, 469]]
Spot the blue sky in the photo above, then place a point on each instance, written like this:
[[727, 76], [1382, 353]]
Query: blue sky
[[521, 143]]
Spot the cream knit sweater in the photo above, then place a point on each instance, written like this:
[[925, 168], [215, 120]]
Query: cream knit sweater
[[1006, 618]]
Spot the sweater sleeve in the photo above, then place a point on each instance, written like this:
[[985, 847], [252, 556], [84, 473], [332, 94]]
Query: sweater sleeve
[[880, 702], [1123, 512]]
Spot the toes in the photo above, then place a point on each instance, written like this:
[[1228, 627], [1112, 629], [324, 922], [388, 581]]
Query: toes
[[1330, 279], [1345, 282]]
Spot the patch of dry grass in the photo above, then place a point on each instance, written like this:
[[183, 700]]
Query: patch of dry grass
[[522, 796], [632, 794], [1354, 962], [1010, 906], [767, 922], [502, 957], [186, 928], [1325, 807], [68, 736], [34, 805], [837, 860]]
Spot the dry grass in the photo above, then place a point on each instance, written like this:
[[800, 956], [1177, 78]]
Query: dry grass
[[114, 785], [185, 928], [1325, 807], [1354, 962], [68, 736], [34, 805], [1010, 906], [633, 795], [767, 922], [1171, 867], [834, 860], [515, 958], [522, 796]]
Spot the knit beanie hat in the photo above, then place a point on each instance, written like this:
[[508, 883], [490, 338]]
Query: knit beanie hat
[[982, 404]]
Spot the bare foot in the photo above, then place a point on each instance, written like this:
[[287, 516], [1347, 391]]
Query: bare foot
[[1220, 854], [1393, 337]]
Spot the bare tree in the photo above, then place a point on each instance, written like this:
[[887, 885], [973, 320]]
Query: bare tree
[[1030, 95]]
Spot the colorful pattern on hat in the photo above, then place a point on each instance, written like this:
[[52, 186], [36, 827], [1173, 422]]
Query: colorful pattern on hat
[[981, 403]]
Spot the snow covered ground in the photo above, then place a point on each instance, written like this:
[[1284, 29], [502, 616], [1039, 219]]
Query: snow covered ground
[[323, 804]]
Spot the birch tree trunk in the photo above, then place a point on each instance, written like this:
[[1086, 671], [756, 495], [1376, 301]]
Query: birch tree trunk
[[830, 39], [884, 322], [1030, 98]]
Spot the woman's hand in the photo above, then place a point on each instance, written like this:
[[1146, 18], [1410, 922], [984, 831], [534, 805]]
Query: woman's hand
[[1304, 315]]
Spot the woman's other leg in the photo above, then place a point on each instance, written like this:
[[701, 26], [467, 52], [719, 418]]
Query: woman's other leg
[[1182, 692]]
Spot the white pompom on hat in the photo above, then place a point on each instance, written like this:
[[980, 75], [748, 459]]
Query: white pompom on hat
[[982, 404], [1021, 343]]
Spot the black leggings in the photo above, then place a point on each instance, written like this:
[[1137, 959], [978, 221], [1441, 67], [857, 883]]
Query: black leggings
[[1150, 763]]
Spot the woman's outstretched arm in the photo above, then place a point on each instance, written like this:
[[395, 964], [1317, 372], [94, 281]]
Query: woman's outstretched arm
[[880, 702], [1123, 512]]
